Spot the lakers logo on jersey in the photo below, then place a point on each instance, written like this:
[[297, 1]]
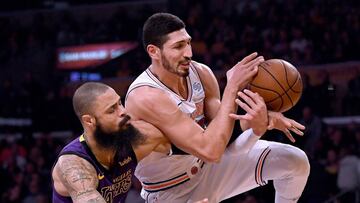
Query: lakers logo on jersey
[[121, 185]]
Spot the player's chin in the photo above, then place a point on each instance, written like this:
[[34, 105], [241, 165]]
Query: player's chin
[[183, 72]]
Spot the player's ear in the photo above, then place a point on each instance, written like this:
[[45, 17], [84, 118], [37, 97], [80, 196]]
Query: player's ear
[[153, 51], [88, 120]]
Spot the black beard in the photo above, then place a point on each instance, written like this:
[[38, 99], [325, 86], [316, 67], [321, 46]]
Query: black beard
[[122, 140], [167, 66]]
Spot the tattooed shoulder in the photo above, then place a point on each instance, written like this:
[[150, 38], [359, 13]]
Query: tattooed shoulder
[[80, 178]]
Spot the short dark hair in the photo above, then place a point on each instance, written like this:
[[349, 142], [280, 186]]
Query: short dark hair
[[158, 26], [85, 96]]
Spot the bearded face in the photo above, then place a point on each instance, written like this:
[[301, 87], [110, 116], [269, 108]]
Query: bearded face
[[176, 53], [175, 67], [124, 138]]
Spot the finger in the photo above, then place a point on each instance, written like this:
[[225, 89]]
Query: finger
[[251, 73], [234, 116], [255, 96], [252, 64], [244, 106], [247, 98], [240, 117], [295, 130], [288, 134], [297, 125], [248, 58], [254, 71]]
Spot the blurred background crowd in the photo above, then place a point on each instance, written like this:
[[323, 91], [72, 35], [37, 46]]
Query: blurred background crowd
[[320, 37]]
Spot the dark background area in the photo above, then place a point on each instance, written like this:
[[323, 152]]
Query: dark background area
[[320, 37]]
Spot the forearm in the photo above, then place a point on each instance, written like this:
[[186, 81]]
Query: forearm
[[88, 196], [220, 129]]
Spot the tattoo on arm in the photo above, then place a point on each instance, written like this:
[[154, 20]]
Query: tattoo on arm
[[80, 179], [95, 200]]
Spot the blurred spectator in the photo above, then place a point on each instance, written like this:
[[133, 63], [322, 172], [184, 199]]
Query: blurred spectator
[[324, 95], [349, 176], [331, 164], [352, 98], [357, 143], [348, 180], [312, 132]]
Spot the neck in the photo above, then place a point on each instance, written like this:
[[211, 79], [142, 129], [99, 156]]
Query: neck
[[176, 83], [104, 156]]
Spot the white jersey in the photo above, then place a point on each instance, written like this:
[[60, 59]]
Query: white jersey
[[159, 171], [246, 163]]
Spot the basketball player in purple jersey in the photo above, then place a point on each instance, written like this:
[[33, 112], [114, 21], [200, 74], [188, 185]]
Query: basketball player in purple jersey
[[99, 165]]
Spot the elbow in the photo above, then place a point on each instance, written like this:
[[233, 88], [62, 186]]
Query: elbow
[[212, 153], [212, 157], [214, 160]]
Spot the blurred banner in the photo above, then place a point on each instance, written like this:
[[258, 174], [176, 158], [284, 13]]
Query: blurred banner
[[78, 57]]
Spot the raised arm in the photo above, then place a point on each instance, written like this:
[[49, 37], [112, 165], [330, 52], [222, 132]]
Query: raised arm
[[76, 177], [155, 106]]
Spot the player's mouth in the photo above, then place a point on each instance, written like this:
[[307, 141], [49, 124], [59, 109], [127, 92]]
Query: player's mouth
[[185, 64]]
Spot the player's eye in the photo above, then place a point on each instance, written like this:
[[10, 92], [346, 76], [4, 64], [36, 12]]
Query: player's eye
[[111, 110], [179, 46]]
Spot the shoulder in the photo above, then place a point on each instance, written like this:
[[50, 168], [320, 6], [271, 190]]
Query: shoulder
[[206, 75], [74, 145], [74, 176], [146, 95], [70, 168], [144, 102], [71, 165], [201, 68], [145, 92], [71, 161]]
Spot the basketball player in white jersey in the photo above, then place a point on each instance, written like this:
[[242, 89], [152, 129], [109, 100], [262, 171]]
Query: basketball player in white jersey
[[181, 97]]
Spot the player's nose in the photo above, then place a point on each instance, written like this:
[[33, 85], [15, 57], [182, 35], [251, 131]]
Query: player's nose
[[188, 51]]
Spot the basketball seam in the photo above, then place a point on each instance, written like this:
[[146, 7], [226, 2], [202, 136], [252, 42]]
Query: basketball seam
[[291, 86], [279, 95], [287, 81]]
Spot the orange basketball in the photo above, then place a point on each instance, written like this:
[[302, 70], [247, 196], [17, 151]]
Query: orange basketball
[[279, 83]]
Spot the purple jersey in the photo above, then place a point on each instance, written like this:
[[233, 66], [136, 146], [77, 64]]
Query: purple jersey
[[114, 184]]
